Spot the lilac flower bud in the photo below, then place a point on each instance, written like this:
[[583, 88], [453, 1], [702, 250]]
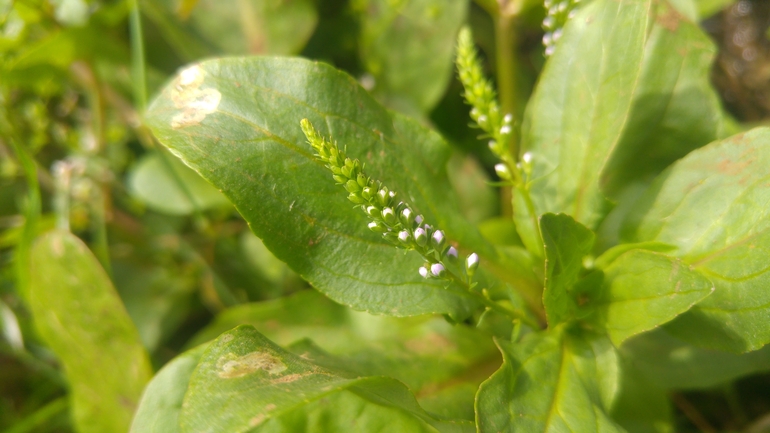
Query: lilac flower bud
[[404, 236], [471, 264], [389, 216], [451, 254], [437, 270], [418, 219], [438, 239], [423, 271], [420, 237]]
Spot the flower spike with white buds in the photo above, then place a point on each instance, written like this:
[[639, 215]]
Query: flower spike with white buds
[[394, 220]]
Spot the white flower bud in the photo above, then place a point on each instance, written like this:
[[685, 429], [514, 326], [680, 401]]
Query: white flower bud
[[438, 239], [423, 271], [506, 129], [404, 236], [502, 171], [527, 157], [471, 264], [508, 118], [420, 237], [451, 254]]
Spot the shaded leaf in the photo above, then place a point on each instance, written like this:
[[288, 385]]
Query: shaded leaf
[[551, 381], [671, 363], [80, 316], [161, 402], [236, 122], [176, 193], [713, 205], [567, 242], [626, 93], [642, 406], [407, 47], [243, 380]]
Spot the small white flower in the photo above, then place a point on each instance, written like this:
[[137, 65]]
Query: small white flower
[[506, 129], [508, 118], [527, 157]]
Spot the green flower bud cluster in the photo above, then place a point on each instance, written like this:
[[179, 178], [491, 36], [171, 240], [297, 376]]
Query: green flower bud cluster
[[481, 96], [558, 12], [395, 220]]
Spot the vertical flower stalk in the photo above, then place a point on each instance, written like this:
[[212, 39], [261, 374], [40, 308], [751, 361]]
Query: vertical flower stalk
[[485, 112]]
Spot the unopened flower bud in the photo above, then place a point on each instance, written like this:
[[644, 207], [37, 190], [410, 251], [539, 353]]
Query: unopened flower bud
[[373, 212], [355, 198], [438, 239], [367, 193], [508, 118], [418, 219], [382, 197], [420, 237], [527, 157], [339, 178], [352, 186], [437, 270], [471, 264], [404, 236], [423, 271], [377, 227], [407, 217], [502, 171], [451, 254], [362, 180], [505, 129], [389, 216]]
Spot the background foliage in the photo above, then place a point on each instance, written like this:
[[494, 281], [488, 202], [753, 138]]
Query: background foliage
[[128, 260]]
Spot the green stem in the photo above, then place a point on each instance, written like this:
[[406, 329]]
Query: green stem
[[138, 70], [489, 303], [40, 416], [31, 217], [99, 229], [505, 41]]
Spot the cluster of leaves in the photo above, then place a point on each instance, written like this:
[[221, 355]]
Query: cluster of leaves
[[627, 265]]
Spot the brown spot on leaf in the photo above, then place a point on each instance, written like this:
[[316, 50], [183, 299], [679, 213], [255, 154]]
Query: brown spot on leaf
[[232, 366]]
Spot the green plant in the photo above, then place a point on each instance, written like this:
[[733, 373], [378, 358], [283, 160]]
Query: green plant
[[627, 265]]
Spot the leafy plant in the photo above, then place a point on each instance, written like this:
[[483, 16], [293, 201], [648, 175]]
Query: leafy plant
[[627, 265]]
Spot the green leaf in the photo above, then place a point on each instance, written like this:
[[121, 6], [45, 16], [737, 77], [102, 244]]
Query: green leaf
[[407, 47], [236, 122], [426, 353], [671, 363], [567, 242], [641, 290], [243, 380], [161, 402], [626, 93], [256, 26], [172, 188], [551, 381], [713, 205], [80, 316]]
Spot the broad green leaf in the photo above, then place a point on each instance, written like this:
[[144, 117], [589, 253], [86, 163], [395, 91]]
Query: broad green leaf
[[426, 353], [478, 200], [407, 47], [567, 242], [344, 411], [552, 381], [236, 122], [641, 290], [243, 380], [177, 192], [670, 363], [714, 206], [626, 93], [79, 315], [161, 402]]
